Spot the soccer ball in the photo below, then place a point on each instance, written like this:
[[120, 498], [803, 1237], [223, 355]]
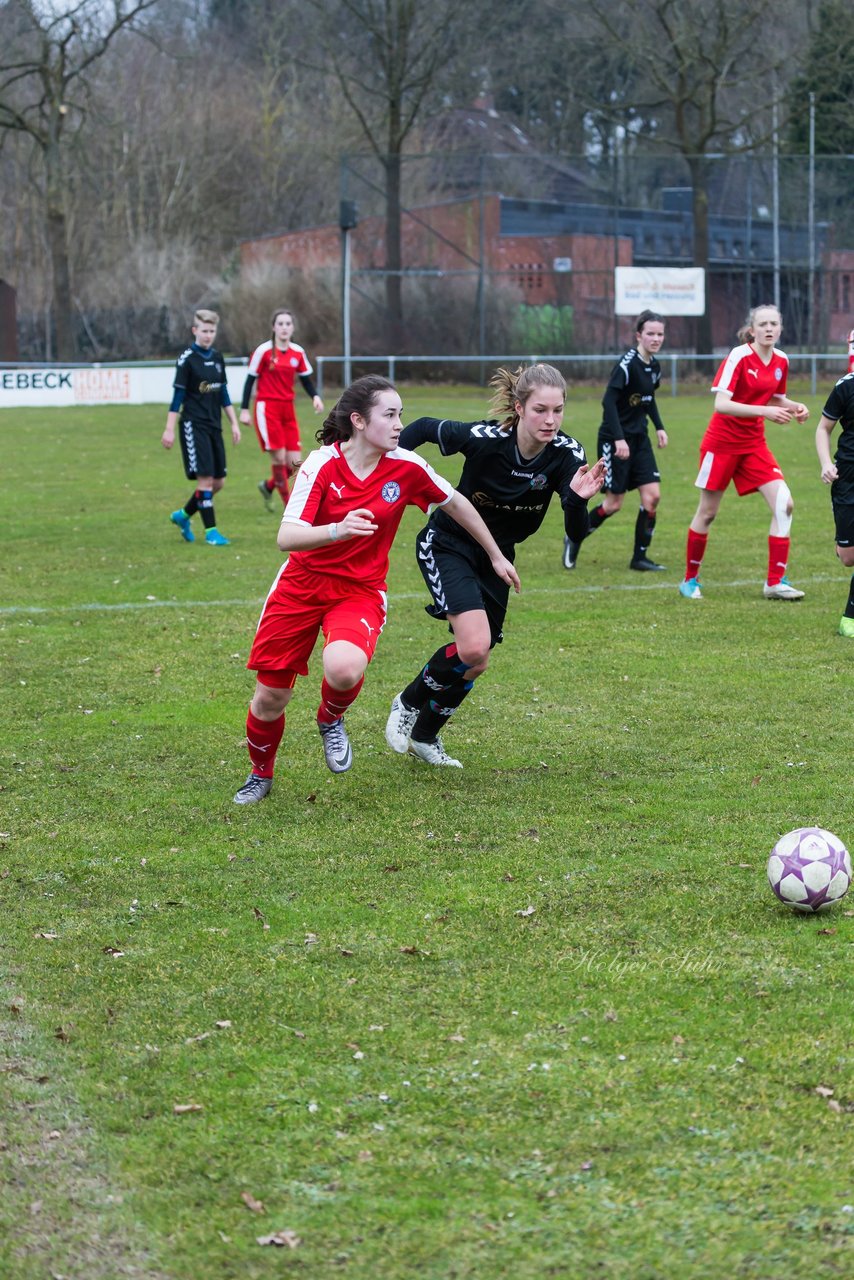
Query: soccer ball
[[809, 869]]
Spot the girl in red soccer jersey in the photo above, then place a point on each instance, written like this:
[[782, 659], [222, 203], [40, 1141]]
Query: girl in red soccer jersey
[[276, 365], [347, 503], [749, 387]]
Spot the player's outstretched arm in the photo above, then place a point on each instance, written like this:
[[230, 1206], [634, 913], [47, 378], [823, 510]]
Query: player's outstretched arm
[[460, 509]]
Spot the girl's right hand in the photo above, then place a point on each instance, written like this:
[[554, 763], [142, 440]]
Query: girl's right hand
[[778, 413], [244, 417], [358, 523]]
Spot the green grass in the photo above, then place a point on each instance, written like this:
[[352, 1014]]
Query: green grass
[[418, 1079]]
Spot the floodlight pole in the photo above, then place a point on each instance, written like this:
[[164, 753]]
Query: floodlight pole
[[775, 199], [347, 221]]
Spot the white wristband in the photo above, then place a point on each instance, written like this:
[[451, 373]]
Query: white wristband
[[333, 532]]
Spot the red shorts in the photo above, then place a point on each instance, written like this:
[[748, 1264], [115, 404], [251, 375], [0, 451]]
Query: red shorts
[[301, 605], [276, 425], [748, 471]]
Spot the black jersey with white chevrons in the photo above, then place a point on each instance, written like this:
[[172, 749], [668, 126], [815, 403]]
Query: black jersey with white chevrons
[[840, 408], [630, 395], [200, 374], [511, 493]]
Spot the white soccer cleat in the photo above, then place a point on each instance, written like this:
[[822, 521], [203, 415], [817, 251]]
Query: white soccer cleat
[[782, 590], [336, 746], [432, 753], [399, 726], [255, 788]]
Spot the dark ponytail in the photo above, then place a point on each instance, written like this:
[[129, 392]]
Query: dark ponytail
[[360, 397]]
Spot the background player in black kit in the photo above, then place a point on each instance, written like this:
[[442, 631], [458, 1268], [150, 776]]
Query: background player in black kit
[[201, 394], [839, 474], [624, 442], [510, 473]]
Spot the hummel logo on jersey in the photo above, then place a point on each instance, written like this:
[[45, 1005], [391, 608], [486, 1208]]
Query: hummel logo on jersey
[[483, 431], [339, 489]]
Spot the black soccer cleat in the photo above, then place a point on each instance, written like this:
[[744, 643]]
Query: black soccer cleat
[[570, 552], [643, 565]]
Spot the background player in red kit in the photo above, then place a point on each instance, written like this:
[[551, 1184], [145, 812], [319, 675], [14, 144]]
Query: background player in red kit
[[749, 387], [347, 504], [276, 365]]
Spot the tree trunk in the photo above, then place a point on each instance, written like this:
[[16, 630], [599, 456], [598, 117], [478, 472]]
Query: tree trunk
[[700, 203], [393, 254], [57, 238]]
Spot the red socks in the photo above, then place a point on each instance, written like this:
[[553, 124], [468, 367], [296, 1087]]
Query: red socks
[[280, 480], [262, 739], [334, 702], [778, 558], [694, 554]]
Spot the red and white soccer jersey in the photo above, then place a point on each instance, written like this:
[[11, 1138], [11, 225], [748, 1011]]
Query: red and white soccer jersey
[[851, 351], [749, 381], [325, 490], [277, 371]]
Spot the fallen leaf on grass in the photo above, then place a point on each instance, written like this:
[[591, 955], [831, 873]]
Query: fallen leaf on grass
[[16, 1005], [203, 1035], [311, 939], [282, 1239], [391, 867], [63, 1033], [824, 1091], [184, 1108], [255, 1206], [828, 932], [526, 911], [365, 1156], [260, 917], [834, 1105], [457, 1039], [44, 934], [112, 951], [223, 1024], [345, 951], [413, 951]]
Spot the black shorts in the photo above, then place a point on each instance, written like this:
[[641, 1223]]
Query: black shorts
[[842, 499], [203, 451], [622, 474], [459, 578]]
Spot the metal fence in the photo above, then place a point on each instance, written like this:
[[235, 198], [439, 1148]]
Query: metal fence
[[678, 368]]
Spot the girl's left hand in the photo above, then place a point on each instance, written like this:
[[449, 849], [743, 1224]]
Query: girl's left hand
[[588, 480], [801, 412], [507, 573]]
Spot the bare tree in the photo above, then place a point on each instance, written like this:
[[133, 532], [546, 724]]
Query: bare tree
[[389, 57], [705, 76], [49, 50]]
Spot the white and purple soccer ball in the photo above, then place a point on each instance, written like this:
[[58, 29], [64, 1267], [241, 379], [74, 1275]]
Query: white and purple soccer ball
[[809, 869]]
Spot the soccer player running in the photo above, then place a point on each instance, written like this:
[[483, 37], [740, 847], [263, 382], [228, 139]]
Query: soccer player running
[[200, 395], [275, 366], [839, 474], [511, 471], [749, 387], [348, 500], [624, 441]]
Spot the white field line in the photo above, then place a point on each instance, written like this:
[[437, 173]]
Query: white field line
[[255, 602]]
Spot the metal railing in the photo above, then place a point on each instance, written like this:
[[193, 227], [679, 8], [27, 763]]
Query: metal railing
[[833, 364]]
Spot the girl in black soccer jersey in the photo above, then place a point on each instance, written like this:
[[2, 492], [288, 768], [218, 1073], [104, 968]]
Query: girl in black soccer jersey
[[200, 396], [624, 443], [511, 471], [839, 474]]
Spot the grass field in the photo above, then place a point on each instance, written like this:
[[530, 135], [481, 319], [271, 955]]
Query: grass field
[[541, 1017]]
